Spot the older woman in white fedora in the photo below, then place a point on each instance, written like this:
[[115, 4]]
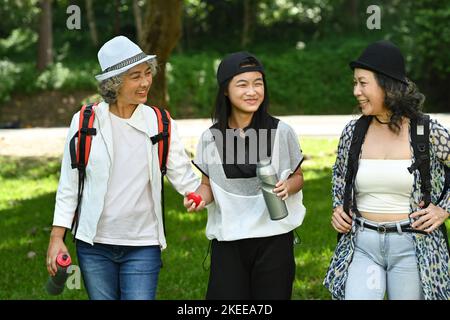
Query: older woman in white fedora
[[120, 233]]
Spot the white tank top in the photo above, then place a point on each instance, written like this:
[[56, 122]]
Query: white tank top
[[128, 217], [383, 186]]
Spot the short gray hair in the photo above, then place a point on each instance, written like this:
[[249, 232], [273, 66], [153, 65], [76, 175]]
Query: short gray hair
[[109, 88]]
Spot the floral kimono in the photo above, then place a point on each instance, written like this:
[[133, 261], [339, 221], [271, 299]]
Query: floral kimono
[[431, 250]]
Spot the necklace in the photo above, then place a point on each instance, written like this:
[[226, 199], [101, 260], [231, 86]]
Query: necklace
[[241, 130], [381, 122]]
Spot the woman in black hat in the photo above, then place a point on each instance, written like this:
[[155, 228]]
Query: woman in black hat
[[251, 253], [392, 241]]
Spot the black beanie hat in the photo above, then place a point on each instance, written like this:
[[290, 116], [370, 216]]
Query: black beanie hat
[[383, 57], [236, 63]]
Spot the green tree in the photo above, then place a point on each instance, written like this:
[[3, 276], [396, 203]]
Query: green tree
[[162, 31], [45, 40], [425, 34]]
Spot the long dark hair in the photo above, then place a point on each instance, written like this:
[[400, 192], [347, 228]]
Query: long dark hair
[[401, 100], [222, 109]]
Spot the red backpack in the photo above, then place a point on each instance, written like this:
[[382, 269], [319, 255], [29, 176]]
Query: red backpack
[[80, 147]]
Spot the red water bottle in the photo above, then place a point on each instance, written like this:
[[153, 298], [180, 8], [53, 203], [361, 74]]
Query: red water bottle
[[55, 284]]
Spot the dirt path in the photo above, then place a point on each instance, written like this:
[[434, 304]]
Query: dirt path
[[41, 142]]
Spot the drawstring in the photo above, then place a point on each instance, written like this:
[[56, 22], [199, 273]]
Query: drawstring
[[206, 256], [297, 239]]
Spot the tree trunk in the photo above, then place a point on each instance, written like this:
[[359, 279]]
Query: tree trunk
[[91, 22], [138, 21], [353, 12], [187, 31], [116, 17], [162, 31], [246, 24], [45, 42], [250, 10]]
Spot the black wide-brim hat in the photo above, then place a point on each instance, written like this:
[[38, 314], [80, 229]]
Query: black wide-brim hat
[[383, 57], [236, 63]]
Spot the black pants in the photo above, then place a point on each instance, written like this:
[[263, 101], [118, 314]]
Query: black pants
[[257, 268]]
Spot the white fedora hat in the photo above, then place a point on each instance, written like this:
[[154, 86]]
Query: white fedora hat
[[118, 55]]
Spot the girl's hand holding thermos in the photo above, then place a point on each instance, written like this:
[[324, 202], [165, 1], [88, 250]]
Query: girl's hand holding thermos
[[281, 189]]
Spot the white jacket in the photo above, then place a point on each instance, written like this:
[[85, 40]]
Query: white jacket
[[98, 170]]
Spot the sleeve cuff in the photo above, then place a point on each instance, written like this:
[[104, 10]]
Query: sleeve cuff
[[200, 169], [62, 222], [299, 164]]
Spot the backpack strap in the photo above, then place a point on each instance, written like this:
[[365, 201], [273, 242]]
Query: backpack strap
[[163, 140], [420, 138], [446, 184], [80, 154], [80, 147], [163, 135], [361, 127]]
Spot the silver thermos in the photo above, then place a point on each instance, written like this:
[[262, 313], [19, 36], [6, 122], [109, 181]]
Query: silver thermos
[[268, 179]]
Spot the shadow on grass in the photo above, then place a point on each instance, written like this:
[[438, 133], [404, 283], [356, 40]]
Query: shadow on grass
[[25, 230], [318, 238], [28, 167], [183, 275]]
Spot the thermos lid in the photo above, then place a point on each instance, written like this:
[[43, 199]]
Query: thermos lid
[[264, 168], [263, 163], [63, 259]]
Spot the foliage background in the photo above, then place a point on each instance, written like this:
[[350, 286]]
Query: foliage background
[[304, 45]]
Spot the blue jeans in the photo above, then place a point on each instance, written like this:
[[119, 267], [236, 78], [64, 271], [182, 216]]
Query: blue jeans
[[383, 263], [112, 272]]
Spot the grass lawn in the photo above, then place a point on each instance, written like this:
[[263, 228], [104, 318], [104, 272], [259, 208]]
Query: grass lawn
[[27, 193]]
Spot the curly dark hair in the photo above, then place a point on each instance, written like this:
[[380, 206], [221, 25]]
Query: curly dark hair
[[402, 100]]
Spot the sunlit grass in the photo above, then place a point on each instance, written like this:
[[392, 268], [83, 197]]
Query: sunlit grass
[[27, 194]]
